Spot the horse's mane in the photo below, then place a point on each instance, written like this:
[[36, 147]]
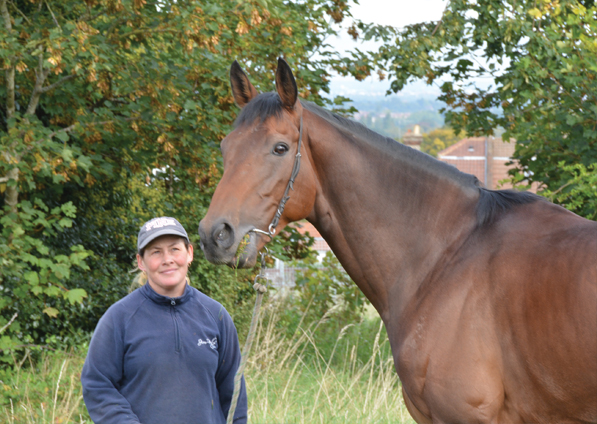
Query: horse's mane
[[491, 205]]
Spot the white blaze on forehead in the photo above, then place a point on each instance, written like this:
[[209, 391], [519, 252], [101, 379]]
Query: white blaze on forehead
[[159, 223]]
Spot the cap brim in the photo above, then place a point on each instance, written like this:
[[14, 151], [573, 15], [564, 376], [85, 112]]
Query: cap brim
[[163, 232]]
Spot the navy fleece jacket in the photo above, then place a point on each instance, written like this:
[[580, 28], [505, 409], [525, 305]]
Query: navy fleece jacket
[[161, 360]]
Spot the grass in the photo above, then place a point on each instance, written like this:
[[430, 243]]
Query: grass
[[297, 378], [47, 392], [291, 379]]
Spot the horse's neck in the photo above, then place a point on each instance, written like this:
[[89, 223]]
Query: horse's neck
[[388, 222]]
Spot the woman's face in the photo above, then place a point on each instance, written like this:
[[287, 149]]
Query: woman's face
[[166, 262]]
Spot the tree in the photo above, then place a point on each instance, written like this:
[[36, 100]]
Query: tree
[[439, 139], [118, 107], [540, 57]]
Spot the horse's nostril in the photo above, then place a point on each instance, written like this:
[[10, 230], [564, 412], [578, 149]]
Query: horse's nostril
[[223, 235]]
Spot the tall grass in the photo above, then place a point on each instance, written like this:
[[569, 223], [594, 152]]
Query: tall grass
[[301, 379], [45, 392], [306, 376]]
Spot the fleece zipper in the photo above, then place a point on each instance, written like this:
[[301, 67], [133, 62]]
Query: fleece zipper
[[176, 330]]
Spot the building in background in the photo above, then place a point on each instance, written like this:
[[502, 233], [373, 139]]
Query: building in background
[[484, 157], [281, 275], [413, 138]]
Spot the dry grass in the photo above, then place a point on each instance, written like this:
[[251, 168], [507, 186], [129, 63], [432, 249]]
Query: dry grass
[[288, 386], [48, 392], [289, 378]]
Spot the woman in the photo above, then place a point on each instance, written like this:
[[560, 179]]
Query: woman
[[166, 353]]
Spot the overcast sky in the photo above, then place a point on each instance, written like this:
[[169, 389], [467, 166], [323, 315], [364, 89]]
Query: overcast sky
[[397, 13]]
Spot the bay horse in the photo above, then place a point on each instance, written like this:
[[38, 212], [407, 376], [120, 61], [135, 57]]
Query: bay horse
[[489, 298]]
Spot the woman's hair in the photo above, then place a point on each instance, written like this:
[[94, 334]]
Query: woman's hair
[[140, 277]]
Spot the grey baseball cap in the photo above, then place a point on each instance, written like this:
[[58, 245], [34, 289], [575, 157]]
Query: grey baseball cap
[[157, 227]]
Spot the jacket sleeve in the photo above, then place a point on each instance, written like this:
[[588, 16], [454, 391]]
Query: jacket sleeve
[[229, 362], [102, 373]]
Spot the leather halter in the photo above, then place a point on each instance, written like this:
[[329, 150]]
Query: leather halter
[[271, 230]]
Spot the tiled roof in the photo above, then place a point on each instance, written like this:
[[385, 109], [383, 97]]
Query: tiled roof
[[304, 227], [472, 146]]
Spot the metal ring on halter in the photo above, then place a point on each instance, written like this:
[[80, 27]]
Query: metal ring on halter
[[257, 230], [271, 230]]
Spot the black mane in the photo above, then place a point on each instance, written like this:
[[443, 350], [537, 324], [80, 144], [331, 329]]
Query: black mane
[[263, 106], [491, 205], [495, 203]]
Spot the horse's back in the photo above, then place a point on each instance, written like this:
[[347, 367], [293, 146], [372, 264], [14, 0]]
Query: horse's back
[[543, 279]]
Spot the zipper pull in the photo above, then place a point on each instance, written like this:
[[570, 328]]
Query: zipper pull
[[173, 302]]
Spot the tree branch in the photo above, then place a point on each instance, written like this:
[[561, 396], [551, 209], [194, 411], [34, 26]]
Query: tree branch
[[20, 13], [148, 31], [41, 76], [72, 127], [9, 322], [89, 17], [52, 13], [441, 19], [4, 179], [10, 72], [57, 83]]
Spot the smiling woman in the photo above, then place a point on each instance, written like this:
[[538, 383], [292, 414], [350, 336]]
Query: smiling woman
[[166, 353]]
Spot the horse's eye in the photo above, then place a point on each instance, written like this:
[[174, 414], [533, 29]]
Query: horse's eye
[[280, 149]]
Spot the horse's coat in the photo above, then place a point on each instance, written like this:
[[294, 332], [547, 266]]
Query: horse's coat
[[489, 298]]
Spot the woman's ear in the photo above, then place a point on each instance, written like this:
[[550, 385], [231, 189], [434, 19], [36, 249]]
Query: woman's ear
[[190, 251], [140, 263]]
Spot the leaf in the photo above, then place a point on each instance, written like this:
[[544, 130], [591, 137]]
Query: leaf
[[62, 136], [190, 105], [32, 277], [65, 222], [75, 295], [51, 312]]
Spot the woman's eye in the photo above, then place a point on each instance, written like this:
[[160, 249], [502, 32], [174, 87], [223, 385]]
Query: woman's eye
[[280, 149]]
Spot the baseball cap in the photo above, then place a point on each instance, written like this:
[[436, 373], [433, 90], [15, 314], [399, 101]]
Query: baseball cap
[[157, 227]]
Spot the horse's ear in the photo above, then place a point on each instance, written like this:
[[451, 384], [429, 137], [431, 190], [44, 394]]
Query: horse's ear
[[286, 85], [242, 89]]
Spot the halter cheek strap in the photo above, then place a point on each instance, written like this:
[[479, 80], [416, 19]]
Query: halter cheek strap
[[271, 230]]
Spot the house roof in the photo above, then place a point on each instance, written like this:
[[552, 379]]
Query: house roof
[[304, 227], [472, 146]]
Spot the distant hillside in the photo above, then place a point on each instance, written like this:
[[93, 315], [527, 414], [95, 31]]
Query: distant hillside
[[392, 116]]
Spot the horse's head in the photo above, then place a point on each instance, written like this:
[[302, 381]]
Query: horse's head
[[259, 156]]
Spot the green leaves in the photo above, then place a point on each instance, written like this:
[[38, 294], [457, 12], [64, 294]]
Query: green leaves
[[128, 89], [75, 295], [541, 61]]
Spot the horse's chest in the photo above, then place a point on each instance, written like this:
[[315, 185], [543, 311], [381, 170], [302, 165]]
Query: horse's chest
[[449, 361]]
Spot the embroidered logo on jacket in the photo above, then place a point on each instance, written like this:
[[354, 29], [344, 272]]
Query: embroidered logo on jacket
[[213, 343]]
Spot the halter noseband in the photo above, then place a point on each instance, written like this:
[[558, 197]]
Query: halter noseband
[[271, 230]]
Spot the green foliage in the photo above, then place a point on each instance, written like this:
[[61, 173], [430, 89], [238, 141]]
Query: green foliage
[[115, 109], [579, 194], [323, 289], [34, 275], [439, 139], [541, 58]]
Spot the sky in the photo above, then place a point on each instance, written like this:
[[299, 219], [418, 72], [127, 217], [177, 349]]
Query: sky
[[397, 13]]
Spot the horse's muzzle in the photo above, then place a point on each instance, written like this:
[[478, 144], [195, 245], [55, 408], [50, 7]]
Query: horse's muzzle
[[222, 244]]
